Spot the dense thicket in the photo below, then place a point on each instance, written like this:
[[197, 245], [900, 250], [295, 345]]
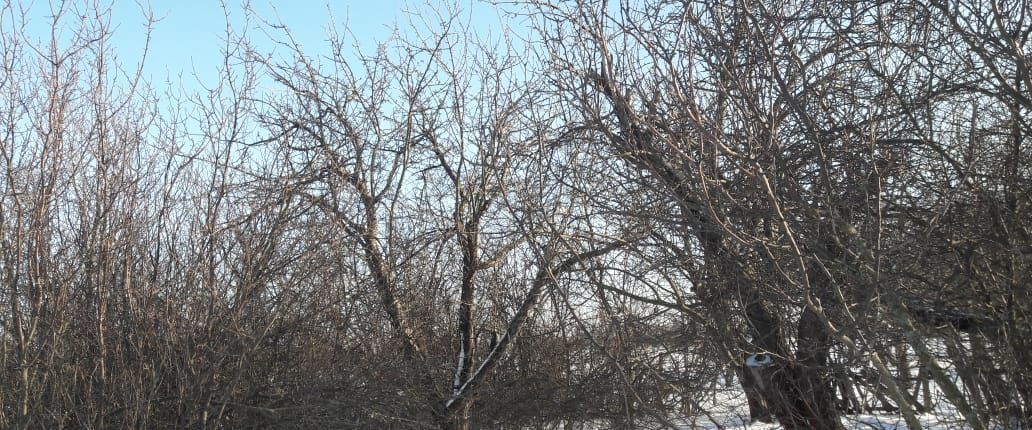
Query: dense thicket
[[826, 205]]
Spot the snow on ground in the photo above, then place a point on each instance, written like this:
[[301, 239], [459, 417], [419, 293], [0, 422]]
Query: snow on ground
[[895, 422], [728, 410]]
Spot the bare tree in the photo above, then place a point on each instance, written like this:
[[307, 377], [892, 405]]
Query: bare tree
[[783, 137], [606, 222], [423, 156]]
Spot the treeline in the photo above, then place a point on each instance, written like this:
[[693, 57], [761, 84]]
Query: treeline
[[828, 205]]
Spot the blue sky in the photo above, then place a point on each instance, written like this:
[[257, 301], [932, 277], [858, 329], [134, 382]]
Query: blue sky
[[187, 38], [188, 35]]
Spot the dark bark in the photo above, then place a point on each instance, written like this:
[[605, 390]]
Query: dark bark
[[758, 409], [468, 237], [813, 389]]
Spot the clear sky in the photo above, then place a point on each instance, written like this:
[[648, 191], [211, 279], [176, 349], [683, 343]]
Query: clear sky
[[187, 38], [188, 35]]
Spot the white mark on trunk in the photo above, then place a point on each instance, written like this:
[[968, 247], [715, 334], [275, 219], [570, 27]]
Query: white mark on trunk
[[457, 382]]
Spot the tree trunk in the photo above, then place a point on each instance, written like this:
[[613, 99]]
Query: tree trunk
[[758, 409], [798, 393], [813, 400]]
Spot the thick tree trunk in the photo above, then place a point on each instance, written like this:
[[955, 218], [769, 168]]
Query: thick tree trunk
[[807, 383], [799, 393], [758, 409], [798, 390], [813, 395], [759, 385]]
